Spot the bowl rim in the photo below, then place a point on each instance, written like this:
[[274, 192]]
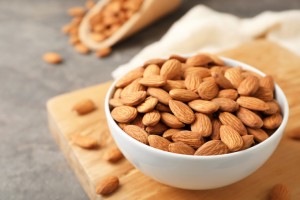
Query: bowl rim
[[230, 62]]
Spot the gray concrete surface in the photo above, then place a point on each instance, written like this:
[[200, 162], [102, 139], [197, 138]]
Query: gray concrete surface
[[31, 165]]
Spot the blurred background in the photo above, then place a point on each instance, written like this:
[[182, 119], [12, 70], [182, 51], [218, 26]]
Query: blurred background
[[32, 167]]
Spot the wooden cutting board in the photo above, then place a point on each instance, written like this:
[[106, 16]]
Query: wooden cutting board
[[90, 168]]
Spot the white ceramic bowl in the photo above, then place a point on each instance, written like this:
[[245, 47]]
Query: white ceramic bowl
[[197, 172]]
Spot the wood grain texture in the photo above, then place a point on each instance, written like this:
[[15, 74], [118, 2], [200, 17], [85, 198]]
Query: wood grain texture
[[90, 168]]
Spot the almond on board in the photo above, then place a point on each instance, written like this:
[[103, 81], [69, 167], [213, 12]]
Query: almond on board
[[113, 155], [85, 142], [280, 192], [108, 185], [84, 106]]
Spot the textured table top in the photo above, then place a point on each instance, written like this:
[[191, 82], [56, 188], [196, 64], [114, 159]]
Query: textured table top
[[32, 167]]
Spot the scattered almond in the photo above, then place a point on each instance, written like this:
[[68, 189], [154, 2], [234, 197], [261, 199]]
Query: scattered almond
[[113, 155], [108, 185], [52, 58], [81, 48], [85, 142], [280, 192], [101, 53], [84, 106]]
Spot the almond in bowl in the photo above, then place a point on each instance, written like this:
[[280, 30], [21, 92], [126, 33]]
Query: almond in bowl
[[224, 116]]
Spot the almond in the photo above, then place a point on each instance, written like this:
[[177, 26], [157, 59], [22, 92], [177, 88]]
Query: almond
[[259, 134], [280, 192], [234, 75], [101, 53], [208, 90], [85, 142], [174, 84], [148, 105], [273, 107], [138, 121], [199, 71], [248, 86], [267, 82], [115, 102], [151, 70], [153, 81], [229, 119], [134, 86], [117, 93], [136, 133], [133, 99], [76, 11], [202, 125], [264, 94], [84, 106], [213, 147], [231, 138], [228, 93], [162, 108], [178, 57], [192, 82], [159, 142], [199, 60], [216, 60], [190, 138], [52, 58], [252, 103], [170, 69], [122, 125], [171, 121], [157, 129], [155, 61], [113, 155], [222, 81], [129, 77], [203, 106], [160, 94], [108, 185], [249, 118], [248, 141], [170, 132], [183, 95], [181, 148], [210, 78], [216, 124], [81, 48], [183, 112], [272, 121], [226, 104], [151, 118], [124, 114]]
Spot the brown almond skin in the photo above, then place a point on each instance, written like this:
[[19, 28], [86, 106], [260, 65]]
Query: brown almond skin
[[267, 82], [52, 58], [181, 148], [115, 102], [85, 142], [153, 81], [134, 98], [231, 138], [222, 81], [252, 103], [157, 129], [202, 125], [124, 114], [228, 93], [229, 119], [264, 94], [113, 155], [273, 107], [208, 90], [248, 86], [158, 142], [151, 70], [170, 132], [272, 121], [84, 106], [183, 95], [108, 185], [170, 69], [155, 61], [204, 106], [259, 134], [199, 71], [138, 121], [192, 82], [216, 124], [170, 120], [226, 104], [174, 84], [148, 105], [234, 75], [190, 138], [248, 141], [199, 60], [213, 147], [151, 118], [280, 192], [178, 57], [182, 111], [137, 133], [249, 118], [129, 77], [162, 108], [160, 94], [134, 86]]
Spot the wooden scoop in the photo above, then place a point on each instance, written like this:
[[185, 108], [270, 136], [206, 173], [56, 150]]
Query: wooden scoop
[[150, 11]]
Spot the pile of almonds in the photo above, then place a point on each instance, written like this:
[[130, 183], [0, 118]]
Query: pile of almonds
[[195, 106], [103, 24]]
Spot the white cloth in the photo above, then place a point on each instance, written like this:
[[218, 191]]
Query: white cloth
[[203, 29]]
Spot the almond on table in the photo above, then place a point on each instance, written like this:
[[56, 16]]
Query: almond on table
[[196, 106], [52, 58]]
